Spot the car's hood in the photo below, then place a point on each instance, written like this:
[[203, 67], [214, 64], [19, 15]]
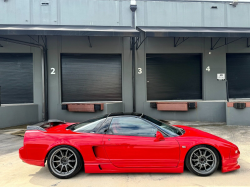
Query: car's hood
[[192, 132]]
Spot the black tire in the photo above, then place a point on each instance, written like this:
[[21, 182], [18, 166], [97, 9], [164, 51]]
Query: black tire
[[200, 163], [62, 158]]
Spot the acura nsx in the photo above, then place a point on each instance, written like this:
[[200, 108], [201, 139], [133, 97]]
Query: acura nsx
[[125, 143]]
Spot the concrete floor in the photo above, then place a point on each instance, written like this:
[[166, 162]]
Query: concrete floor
[[14, 172]]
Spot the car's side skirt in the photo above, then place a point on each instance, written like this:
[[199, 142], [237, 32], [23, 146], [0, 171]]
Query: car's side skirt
[[110, 168]]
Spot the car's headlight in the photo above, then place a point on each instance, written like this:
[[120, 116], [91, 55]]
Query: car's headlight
[[235, 152]]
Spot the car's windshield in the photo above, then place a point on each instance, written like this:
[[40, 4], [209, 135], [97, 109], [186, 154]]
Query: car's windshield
[[89, 125], [165, 127]]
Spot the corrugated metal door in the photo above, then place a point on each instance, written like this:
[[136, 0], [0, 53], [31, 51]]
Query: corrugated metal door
[[16, 78], [91, 77], [238, 75], [174, 76]]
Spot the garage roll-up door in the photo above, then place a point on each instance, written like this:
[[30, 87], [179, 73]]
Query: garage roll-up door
[[16, 78], [91, 77], [174, 76], [238, 75]]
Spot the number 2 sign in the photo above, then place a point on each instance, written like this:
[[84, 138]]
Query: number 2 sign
[[53, 71]]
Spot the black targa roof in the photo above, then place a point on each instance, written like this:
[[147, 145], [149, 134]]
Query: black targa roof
[[155, 31], [68, 30]]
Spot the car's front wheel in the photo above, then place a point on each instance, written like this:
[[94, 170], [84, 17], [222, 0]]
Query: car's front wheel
[[202, 160], [64, 162]]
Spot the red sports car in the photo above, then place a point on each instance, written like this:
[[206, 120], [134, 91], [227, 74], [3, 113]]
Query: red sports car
[[126, 143]]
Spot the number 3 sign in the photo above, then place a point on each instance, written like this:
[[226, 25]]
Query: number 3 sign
[[139, 70]]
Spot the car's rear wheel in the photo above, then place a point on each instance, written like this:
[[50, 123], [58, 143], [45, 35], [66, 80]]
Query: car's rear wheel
[[64, 162], [202, 160]]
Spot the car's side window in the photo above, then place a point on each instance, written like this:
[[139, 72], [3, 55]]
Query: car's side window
[[89, 126], [131, 126]]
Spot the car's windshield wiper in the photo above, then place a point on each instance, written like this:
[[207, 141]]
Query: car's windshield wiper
[[182, 131]]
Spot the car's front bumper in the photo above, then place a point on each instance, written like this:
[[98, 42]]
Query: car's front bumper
[[231, 164]]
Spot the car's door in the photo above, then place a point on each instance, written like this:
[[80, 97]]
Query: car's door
[[131, 142]]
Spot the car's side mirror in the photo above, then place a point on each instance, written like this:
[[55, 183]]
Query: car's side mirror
[[159, 136]]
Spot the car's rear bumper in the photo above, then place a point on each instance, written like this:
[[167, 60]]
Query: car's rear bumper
[[22, 154], [230, 165], [23, 157]]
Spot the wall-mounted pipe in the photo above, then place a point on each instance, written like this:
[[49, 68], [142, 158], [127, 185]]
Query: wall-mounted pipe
[[133, 8]]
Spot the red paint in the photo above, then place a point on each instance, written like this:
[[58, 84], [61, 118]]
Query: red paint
[[140, 152], [83, 107], [126, 154], [172, 106], [159, 137]]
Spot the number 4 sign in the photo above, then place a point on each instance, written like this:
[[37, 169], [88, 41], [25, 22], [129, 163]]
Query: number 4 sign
[[208, 68]]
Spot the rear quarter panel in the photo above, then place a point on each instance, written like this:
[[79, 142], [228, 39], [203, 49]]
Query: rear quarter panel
[[37, 144]]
